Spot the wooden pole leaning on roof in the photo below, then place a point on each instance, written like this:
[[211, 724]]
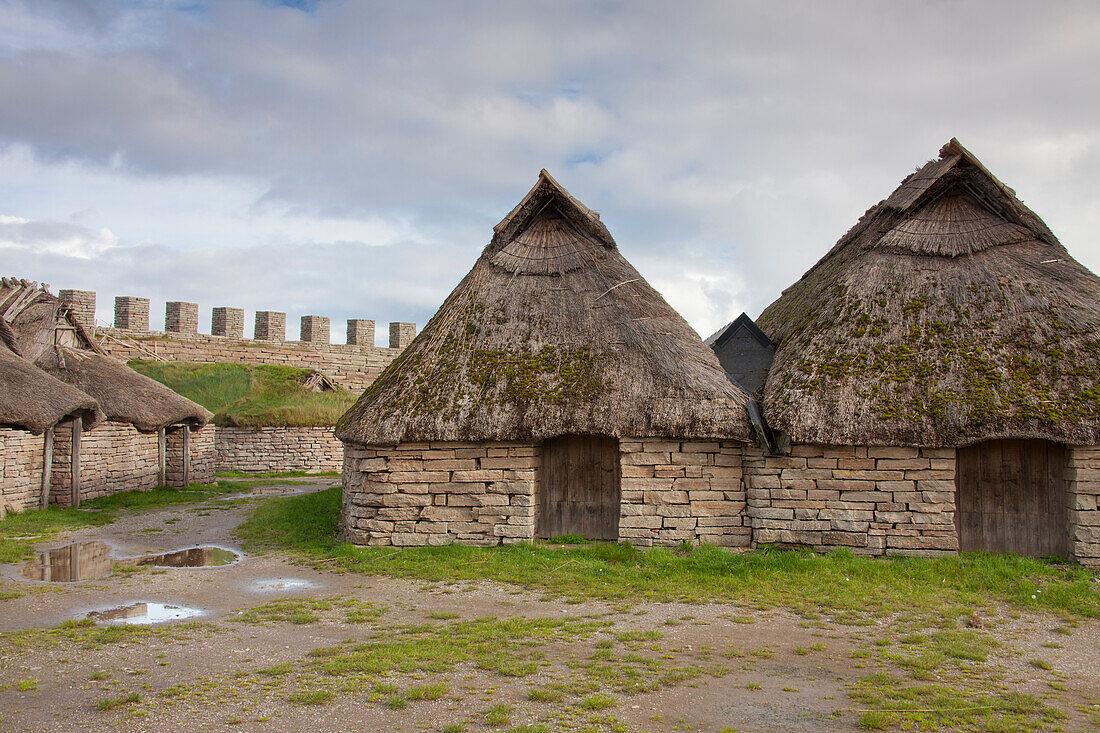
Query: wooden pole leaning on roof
[[74, 464], [47, 467]]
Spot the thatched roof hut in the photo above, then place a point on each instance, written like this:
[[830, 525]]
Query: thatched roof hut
[[33, 400], [552, 332], [50, 336], [949, 314]]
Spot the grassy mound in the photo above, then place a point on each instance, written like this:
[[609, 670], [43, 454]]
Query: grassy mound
[[251, 395]]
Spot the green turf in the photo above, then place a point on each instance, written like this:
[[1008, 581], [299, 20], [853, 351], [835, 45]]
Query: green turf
[[251, 395], [839, 582]]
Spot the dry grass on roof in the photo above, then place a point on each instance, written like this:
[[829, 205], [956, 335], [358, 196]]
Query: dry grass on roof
[[949, 314], [551, 332]]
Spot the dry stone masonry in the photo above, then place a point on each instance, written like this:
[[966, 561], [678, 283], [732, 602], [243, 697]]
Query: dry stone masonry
[[1083, 490], [20, 471], [228, 322], [675, 490], [278, 449], [81, 303], [132, 314], [270, 326], [438, 493], [113, 457], [180, 317], [871, 500], [315, 329], [401, 334], [361, 332]]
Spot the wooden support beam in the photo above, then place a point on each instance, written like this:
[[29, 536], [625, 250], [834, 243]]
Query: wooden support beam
[[162, 458], [74, 465], [47, 467], [186, 456]]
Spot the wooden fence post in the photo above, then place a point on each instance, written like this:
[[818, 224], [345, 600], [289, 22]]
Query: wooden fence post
[[74, 465]]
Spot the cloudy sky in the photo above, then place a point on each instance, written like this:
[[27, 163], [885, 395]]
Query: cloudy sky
[[349, 158]]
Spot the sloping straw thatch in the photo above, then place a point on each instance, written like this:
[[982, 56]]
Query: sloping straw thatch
[[52, 337], [552, 332], [33, 400], [949, 314]]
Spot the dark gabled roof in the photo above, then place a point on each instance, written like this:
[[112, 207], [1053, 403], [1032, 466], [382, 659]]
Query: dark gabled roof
[[724, 334], [948, 314], [551, 332]]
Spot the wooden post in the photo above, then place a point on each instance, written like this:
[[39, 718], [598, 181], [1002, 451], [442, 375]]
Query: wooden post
[[162, 458], [47, 467], [74, 466], [186, 456]]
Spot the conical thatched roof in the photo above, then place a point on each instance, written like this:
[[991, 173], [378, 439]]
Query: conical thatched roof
[[551, 332], [52, 337], [948, 314], [32, 400]]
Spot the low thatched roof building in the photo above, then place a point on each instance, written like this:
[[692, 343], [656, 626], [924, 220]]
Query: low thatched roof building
[[949, 314], [952, 343], [34, 401], [551, 332], [52, 337], [549, 360], [52, 369]]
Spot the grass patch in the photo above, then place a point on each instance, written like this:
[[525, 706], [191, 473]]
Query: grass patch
[[598, 701], [498, 715], [110, 703], [251, 395], [843, 584], [310, 697], [279, 474], [308, 611]]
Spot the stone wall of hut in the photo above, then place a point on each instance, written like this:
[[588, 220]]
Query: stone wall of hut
[[255, 450], [439, 493], [675, 490], [113, 457], [1083, 490], [20, 470], [871, 500], [203, 456]]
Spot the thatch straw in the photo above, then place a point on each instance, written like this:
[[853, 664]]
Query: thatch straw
[[33, 400], [949, 314], [52, 337], [552, 332]]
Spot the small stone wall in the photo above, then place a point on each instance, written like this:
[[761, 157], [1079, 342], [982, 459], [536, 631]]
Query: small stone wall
[[278, 449], [113, 457], [203, 456], [871, 500], [20, 470], [1083, 489], [438, 493], [682, 490]]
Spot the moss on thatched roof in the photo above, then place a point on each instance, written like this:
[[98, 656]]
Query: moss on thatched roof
[[33, 400], [948, 314], [51, 337], [551, 332]]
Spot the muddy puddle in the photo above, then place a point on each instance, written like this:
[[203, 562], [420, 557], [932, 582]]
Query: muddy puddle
[[268, 585], [78, 561], [143, 613], [192, 557]]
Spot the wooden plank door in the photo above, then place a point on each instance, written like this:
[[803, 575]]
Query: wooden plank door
[[579, 488], [1010, 496]]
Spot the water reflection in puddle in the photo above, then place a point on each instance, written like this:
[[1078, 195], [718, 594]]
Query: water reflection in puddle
[[277, 584], [143, 613], [78, 561], [193, 557]]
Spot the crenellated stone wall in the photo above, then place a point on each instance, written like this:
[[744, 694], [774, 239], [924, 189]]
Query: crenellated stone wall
[[675, 490], [278, 449], [21, 455], [871, 500], [439, 493], [1083, 491]]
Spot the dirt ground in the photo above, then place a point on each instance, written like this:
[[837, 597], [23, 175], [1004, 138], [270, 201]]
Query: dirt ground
[[706, 667]]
